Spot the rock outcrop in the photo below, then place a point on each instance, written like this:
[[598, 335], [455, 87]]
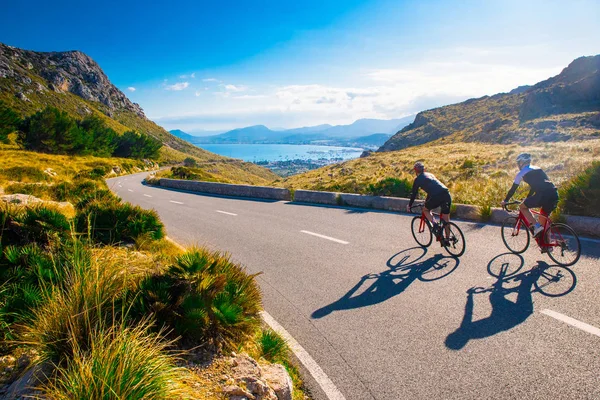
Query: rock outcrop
[[68, 71]]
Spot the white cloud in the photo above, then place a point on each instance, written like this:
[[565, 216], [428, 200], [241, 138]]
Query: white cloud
[[177, 86], [192, 75], [198, 93], [131, 89], [441, 78], [235, 88], [210, 80]]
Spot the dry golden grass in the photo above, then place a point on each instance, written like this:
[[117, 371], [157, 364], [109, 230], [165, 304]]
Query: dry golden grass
[[475, 173]]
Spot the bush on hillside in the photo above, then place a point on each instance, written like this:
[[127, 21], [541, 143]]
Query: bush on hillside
[[190, 162], [204, 297], [134, 145], [55, 132], [109, 221], [580, 195], [391, 187], [9, 121]]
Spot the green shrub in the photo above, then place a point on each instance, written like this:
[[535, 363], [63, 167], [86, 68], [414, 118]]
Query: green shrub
[[580, 195], [109, 221], [272, 347], [391, 187], [41, 224], [468, 164], [9, 121], [204, 297], [122, 363], [190, 162], [485, 213]]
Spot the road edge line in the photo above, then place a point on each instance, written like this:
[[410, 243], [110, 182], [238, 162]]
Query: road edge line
[[572, 321], [331, 391]]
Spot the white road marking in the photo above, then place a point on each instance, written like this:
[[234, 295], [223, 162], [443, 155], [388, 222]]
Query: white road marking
[[331, 391], [120, 186], [325, 237], [225, 212], [147, 195], [572, 321], [176, 202], [130, 190]]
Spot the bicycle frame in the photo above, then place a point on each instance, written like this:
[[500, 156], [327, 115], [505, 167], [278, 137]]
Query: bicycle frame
[[423, 223], [540, 239]]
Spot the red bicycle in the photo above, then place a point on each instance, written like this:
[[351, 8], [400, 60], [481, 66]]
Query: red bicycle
[[449, 235], [559, 241]]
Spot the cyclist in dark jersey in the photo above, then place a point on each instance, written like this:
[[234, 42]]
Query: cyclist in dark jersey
[[437, 195], [543, 193]]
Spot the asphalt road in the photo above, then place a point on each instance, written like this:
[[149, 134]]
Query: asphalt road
[[386, 319]]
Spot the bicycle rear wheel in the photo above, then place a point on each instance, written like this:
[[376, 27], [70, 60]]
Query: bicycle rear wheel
[[424, 236], [455, 245], [515, 235], [565, 248]]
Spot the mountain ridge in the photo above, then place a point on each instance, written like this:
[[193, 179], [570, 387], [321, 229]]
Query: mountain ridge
[[560, 108]]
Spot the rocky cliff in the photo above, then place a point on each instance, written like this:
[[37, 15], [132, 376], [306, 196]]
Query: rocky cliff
[[68, 71], [561, 108]]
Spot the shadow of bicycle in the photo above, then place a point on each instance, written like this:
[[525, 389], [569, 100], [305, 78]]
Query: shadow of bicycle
[[548, 280], [403, 269]]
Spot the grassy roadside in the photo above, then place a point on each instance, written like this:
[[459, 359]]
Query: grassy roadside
[[475, 173], [103, 303]]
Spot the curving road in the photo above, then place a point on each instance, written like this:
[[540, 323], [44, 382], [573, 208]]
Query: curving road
[[385, 319]]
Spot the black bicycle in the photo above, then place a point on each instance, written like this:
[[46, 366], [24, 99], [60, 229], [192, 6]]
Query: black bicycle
[[449, 234]]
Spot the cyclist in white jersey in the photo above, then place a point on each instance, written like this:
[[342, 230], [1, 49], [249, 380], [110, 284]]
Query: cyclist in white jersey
[[543, 193]]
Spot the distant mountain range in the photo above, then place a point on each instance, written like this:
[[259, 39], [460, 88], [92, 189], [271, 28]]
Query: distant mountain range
[[564, 107], [370, 133]]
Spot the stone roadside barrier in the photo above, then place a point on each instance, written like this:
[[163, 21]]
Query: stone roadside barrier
[[226, 189], [583, 225]]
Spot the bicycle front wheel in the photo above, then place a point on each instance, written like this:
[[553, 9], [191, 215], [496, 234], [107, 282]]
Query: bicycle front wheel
[[564, 246], [515, 235], [455, 244], [421, 231]]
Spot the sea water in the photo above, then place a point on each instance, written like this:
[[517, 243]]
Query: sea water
[[282, 152]]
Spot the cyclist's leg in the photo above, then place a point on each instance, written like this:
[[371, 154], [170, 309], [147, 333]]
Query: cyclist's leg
[[445, 211], [527, 213], [548, 202]]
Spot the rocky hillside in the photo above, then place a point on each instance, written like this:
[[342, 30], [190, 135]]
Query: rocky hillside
[[71, 81], [561, 108]]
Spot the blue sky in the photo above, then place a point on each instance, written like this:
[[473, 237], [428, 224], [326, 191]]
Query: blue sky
[[198, 65]]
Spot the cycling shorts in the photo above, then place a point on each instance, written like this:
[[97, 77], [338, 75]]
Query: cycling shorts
[[546, 200], [442, 200]]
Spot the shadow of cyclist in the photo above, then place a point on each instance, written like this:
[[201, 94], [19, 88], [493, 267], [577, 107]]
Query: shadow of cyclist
[[507, 314], [403, 270]]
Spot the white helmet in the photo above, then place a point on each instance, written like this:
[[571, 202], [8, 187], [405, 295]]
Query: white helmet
[[524, 158]]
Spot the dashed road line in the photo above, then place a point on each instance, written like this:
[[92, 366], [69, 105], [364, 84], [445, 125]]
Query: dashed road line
[[176, 202], [572, 321], [331, 391], [325, 237], [147, 195], [130, 190], [225, 212]]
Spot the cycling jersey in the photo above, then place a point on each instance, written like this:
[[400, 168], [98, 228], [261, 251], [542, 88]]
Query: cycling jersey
[[429, 183], [535, 177]]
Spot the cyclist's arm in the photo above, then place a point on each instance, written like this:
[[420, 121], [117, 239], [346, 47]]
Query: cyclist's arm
[[413, 195], [511, 192]]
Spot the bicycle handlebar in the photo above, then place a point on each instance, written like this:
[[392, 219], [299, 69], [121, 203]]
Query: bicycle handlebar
[[510, 203]]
